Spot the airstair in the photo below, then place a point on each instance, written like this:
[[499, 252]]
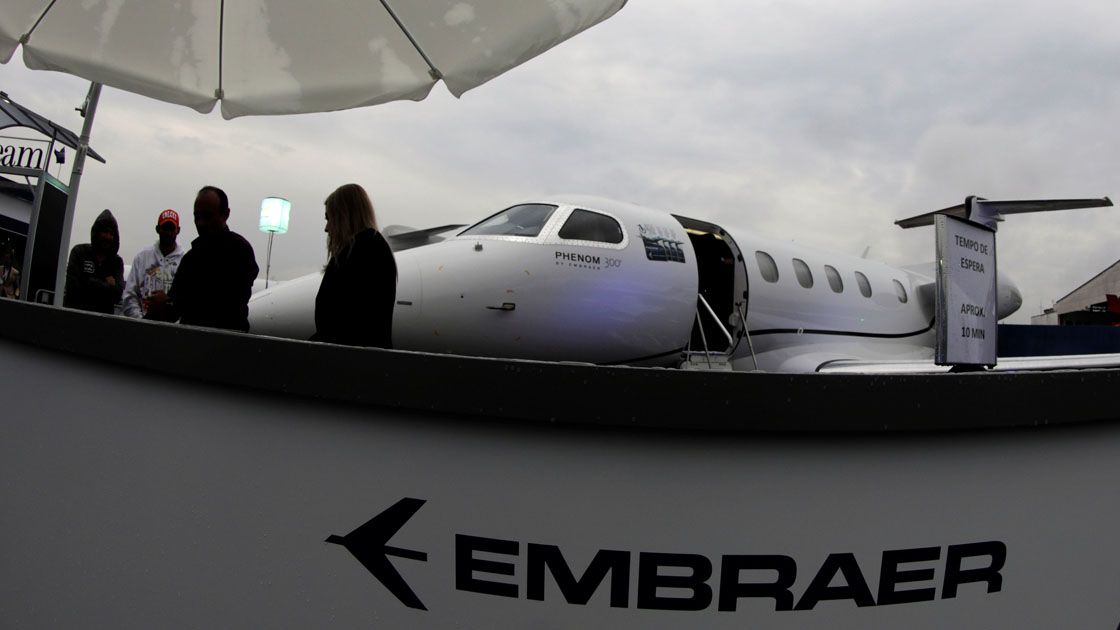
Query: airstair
[[708, 360]]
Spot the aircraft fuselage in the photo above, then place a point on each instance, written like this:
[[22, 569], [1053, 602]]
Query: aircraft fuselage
[[605, 282]]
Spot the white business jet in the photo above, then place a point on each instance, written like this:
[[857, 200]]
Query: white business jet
[[593, 280]]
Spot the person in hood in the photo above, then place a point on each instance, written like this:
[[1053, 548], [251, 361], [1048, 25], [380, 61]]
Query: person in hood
[[153, 269], [95, 273]]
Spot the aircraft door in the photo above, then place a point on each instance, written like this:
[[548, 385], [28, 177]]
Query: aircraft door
[[722, 282]]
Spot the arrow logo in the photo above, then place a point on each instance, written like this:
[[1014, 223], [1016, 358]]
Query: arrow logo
[[368, 545]]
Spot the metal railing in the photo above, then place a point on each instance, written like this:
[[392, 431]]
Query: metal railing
[[723, 329]]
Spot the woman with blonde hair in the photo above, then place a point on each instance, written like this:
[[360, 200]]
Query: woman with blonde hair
[[355, 302]]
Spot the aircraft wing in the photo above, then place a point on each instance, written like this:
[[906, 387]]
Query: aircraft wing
[[377, 531], [1008, 364], [387, 574], [402, 240]]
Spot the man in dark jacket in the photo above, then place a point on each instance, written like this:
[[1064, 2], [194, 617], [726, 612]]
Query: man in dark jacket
[[95, 273], [215, 278]]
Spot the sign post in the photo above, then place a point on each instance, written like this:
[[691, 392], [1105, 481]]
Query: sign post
[[966, 293], [87, 110]]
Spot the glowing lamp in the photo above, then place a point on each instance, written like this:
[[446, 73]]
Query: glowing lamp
[[274, 215], [274, 220]]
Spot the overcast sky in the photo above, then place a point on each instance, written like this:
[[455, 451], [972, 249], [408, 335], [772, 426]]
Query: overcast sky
[[819, 122]]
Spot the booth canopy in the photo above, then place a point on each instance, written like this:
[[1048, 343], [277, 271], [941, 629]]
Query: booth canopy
[[12, 114], [289, 56]]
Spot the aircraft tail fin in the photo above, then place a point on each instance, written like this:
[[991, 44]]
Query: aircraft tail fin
[[987, 212]]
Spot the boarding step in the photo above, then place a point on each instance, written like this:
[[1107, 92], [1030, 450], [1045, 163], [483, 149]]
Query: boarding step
[[707, 362]]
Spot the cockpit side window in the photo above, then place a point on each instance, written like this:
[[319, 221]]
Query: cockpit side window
[[523, 220], [584, 225]]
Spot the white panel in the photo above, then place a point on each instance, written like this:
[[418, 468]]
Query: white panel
[[212, 510], [14, 208], [966, 294], [168, 51], [16, 18], [473, 41], [291, 56]]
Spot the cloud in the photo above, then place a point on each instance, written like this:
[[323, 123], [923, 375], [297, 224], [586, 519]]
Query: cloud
[[820, 123]]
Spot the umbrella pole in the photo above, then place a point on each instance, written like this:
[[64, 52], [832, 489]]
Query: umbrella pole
[[88, 109]]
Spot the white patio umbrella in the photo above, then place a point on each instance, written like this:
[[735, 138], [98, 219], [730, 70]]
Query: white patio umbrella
[[282, 56], [289, 56]]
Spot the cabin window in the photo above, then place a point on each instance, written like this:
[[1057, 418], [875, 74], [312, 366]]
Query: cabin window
[[584, 225], [804, 275], [766, 266], [523, 220], [900, 290], [834, 279], [864, 285]]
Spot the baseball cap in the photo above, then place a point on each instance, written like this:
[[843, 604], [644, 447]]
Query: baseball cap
[[168, 215]]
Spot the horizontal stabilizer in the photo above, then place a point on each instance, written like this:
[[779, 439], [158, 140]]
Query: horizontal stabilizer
[[399, 240], [980, 210]]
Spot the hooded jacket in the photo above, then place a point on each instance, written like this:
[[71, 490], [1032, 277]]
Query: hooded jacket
[[151, 271], [95, 277]]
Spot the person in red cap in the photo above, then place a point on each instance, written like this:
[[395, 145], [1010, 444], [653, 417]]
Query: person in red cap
[[153, 270]]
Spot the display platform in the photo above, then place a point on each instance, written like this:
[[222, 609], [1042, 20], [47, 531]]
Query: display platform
[[154, 475]]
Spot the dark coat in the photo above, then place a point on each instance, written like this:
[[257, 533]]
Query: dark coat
[[214, 281], [355, 302], [87, 287]]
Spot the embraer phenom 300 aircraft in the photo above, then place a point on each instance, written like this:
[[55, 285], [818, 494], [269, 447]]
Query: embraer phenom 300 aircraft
[[594, 280]]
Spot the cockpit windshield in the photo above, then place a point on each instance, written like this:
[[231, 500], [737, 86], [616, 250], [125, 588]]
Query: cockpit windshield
[[523, 220]]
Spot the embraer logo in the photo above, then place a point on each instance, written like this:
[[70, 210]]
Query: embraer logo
[[368, 544], [648, 580]]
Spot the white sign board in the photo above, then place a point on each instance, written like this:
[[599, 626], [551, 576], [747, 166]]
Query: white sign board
[[966, 293]]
